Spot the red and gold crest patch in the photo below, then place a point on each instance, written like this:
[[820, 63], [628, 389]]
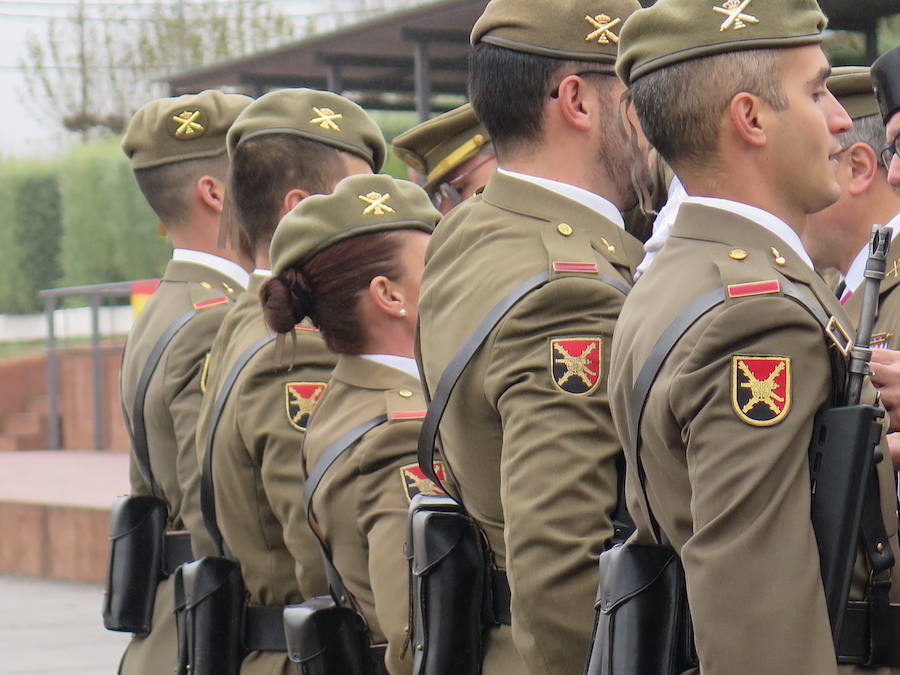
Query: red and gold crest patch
[[416, 483], [575, 364], [761, 389], [300, 400]]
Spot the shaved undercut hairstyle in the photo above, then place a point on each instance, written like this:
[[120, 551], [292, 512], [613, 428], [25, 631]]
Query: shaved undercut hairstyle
[[265, 168], [680, 106], [168, 188]]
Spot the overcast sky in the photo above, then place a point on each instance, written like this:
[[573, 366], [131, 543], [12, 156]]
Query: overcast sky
[[23, 133]]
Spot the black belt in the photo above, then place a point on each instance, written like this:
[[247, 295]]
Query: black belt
[[264, 629], [500, 596], [856, 644], [176, 551]]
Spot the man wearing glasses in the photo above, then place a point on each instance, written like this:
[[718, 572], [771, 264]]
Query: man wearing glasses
[[886, 80], [527, 434], [453, 152]]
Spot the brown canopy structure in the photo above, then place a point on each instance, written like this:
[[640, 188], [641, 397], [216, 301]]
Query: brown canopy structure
[[410, 59]]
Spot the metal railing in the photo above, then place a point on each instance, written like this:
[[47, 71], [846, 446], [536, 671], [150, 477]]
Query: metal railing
[[96, 294]]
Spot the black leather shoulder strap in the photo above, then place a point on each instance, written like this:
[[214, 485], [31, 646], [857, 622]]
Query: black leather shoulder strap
[[207, 489], [653, 364], [137, 429], [329, 457]]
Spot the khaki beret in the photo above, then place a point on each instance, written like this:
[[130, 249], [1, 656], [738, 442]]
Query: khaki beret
[[363, 204], [672, 31], [886, 80], [170, 130], [852, 86], [436, 147], [579, 30], [320, 116]]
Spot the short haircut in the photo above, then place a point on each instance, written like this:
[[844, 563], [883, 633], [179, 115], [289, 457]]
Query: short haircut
[[168, 188], [265, 168], [680, 106], [869, 130], [508, 90]]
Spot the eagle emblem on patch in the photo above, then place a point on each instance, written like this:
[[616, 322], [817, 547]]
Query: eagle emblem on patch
[[300, 400], [761, 389], [416, 483], [575, 364]]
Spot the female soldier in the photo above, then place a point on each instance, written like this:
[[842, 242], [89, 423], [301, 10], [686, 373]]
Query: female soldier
[[351, 262]]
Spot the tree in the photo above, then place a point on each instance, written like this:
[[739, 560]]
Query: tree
[[93, 69]]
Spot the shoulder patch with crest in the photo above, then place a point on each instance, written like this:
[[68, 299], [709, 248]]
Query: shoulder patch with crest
[[300, 400], [761, 389], [416, 483], [575, 364]]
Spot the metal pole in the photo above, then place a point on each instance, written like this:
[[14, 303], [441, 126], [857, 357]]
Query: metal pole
[[54, 437], [423, 81], [334, 78], [96, 372], [872, 42]]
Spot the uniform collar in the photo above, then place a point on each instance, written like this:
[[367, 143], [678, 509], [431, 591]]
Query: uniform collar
[[589, 199], [261, 272], [856, 271], [364, 373], [224, 267], [762, 218], [403, 363], [662, 224]]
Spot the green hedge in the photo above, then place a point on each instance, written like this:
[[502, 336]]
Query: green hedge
[[109, 232]]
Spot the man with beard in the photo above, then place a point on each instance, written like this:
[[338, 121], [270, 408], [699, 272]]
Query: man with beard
[[527, 435]]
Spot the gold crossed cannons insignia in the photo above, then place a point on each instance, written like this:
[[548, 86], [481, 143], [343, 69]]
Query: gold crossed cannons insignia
[[326, 118], [575, 364], [187, 125], [300, 401], [761, 389], [736, 19], [603, 26], [377, 204]]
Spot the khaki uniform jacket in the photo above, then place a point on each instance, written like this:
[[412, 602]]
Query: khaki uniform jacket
[[361, 504], [534, 464], [733, 497], [170, 410], [256, 461]]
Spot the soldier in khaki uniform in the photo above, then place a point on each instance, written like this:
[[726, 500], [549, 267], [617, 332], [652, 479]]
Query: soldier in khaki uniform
[[355, 270], [177, 150], [527, 434], [886, 78], [727, 423], [453, 152], [286, 145]]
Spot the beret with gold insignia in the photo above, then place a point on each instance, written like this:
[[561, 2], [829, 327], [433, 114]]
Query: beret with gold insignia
[[852, 86], [672, 31], [886, 80], [170, 130], [364, 204], [320, 116], [579, 30], [436, 147]]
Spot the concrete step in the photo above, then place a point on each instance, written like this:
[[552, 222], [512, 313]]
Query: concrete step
[[54, 512]]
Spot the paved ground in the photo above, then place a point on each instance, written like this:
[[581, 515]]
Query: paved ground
[[54, 628]]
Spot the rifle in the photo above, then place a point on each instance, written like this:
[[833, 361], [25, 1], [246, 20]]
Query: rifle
[[843, 453]]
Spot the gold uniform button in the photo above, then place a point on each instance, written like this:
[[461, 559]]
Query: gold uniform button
[[879, 547], [781, 262], [565, 229], [405, 393], [205, 285], [737, 254]]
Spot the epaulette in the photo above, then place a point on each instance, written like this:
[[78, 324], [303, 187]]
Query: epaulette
[[746, 276], [206, 304], [404, 405], [570, 252]]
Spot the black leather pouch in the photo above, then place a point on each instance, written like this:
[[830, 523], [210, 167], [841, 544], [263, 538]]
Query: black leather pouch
[[643, 622], [134, 567], [209, 611], [450, 593], [324, 638]]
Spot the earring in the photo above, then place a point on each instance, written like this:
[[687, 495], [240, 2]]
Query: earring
[[403, 311]]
